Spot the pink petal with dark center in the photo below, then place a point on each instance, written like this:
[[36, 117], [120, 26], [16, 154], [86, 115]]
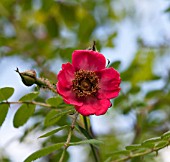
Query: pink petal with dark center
[[88, 60], [68, 95]]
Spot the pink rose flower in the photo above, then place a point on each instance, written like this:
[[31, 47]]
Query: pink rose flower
[[87, 83]]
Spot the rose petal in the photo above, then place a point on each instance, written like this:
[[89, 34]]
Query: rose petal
[[105, 105], [88, 60], [109, 81], [66, 75], [94, 106], [68, 95]]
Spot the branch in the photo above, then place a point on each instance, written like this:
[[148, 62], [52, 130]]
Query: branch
[[66, 145], [139, 154], [29, 102], [146, 147]]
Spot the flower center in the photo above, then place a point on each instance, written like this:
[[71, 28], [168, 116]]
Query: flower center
[[85, 83]]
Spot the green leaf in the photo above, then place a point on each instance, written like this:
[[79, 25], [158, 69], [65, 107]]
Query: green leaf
[[54, 116], [133, 147], [54, 131], [142, 64], [168, 9], [49, 117], [109, 159], [135, 89], [54, 101], [151, 140], [110, 42], [6, 93], [115, 64], [29, 96], [121, 153], [154, 94], [141, 150], [85, 31], [138, 104], [23, 114], [71, 13], [43, 152], [3, 113], [161, 144], [90, 141], [52, 26], [148, 145], [85, 132], [166, 135], [120, 99]]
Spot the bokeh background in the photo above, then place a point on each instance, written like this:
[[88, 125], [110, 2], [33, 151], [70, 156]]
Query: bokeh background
[[134, 35]]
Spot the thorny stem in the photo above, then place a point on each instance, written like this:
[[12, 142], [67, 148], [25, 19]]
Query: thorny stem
[[66, 145], [96, 157], [46, 83]]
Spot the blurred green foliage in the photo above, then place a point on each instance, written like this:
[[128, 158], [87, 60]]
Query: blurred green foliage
[[43, 31]]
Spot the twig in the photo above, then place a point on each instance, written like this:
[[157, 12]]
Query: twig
[[28, 102], [66, 145], [45, 83]]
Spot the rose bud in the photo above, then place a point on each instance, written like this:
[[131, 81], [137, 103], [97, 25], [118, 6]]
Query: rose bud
[[28, 77]]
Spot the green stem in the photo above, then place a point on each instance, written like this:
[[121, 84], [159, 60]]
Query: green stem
[[66, 145], [85, 122], [92, 147], [94, 153], [62, 155]]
